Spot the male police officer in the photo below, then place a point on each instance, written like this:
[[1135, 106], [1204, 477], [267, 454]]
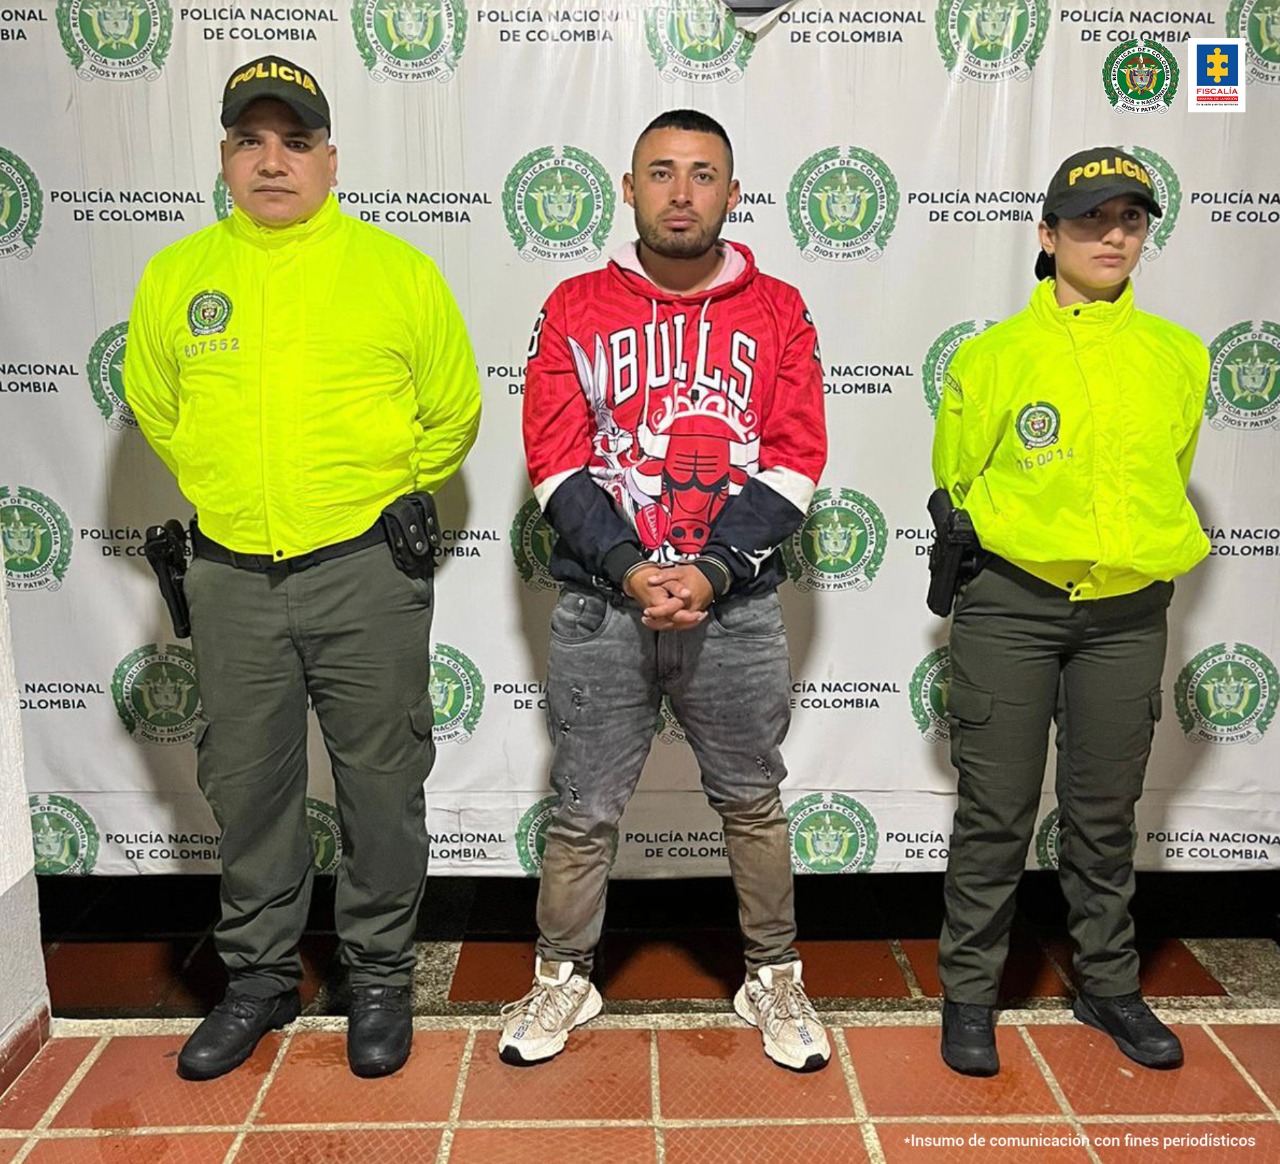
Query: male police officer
[[299, 370]]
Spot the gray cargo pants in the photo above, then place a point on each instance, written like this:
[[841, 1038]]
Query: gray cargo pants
[[1022, 655], [353, 636]]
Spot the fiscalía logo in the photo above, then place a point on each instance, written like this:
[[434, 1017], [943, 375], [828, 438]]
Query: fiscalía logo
[[842, 205], [531, 541], [105, 370], [929, 684], [21, 207], [410, 40], [1140, 76], [938, 359], [697, 40], [1226, 694], [457, 695], [991, 40], [831, 833], [670, 729], [208, 313], [1038, 425], [157, 694], [326, 835], [1168, 191], [1244, 376], [1217, 73], [222, 200], [36, 537], [116, 40], [1257, 22], [839, 545], [63, 835], [558, 205], [531, 834], [1047, 841]]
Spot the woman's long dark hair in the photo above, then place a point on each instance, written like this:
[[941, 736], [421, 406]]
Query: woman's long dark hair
[[1046, 266]]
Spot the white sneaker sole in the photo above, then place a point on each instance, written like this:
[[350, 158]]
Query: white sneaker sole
[[816, 1060], [527, 1054]]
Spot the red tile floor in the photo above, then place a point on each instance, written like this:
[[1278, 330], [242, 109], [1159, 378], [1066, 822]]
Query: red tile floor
[[667, 1074], [660, 1094]]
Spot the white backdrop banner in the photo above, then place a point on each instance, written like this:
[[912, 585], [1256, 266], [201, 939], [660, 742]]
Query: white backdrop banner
[[892, 159]]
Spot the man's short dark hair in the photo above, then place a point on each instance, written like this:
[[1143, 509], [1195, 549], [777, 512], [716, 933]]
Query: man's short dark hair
[[691, 120]]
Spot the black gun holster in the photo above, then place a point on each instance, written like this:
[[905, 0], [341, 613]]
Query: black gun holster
[[166, 549], [956, 555], [413, 533]]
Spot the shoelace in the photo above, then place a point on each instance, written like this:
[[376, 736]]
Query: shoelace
[[243, 1008], [974, 1018], [786, 1000], [543, 1002], [381, 998], [1132, 1006]]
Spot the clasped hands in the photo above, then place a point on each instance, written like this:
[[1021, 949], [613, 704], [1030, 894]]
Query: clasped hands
[[673, 598]]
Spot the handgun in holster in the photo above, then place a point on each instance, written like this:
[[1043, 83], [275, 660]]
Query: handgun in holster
[[166, 550], [956, 554], [413, 533]]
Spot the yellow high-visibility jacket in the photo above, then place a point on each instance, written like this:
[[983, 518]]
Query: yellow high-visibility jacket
[[297, 379], [1067, 433]]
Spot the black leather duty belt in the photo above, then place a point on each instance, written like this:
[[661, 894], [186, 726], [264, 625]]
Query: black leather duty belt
[[203, 546]]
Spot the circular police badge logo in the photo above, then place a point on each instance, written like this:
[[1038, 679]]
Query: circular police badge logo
[[21, 207], [558, 205], [531, 540], [222, 201], [116, 40], [842, 204], [457, 695], [1047, 841], [1168, 191], [1226, 694], [208, 313], [36, 537], [697, 40], [831, 833], [991, 40], [929, 683], [1140, 76], [105, 369], [1037, 425], [1257, 23], [1244, 376], [670, 730], [63, 835], [531, 834], [326, 835], [156, 693], [839, 545], [410, 40], [938, 359]]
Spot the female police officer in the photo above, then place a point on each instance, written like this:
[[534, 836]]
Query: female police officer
[[1067, 434]]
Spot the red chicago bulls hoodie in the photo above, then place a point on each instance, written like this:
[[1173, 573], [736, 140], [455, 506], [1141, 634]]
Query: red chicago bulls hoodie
[[674, 427]]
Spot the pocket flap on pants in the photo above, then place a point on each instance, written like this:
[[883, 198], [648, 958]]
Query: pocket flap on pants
[[422, 715], [969, 704]]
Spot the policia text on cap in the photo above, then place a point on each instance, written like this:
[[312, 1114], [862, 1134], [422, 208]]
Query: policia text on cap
[[308, 379]]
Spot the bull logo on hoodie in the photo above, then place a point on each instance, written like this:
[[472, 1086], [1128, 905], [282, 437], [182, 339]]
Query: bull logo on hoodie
[[693, 444]]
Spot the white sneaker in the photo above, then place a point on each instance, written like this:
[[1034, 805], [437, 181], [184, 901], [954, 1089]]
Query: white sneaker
[[538, 1024], [773, 999]]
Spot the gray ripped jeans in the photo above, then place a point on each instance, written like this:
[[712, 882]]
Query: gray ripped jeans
[[728, 680]]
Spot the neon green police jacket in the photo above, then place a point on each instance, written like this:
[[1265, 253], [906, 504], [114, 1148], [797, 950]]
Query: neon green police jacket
[[297, 379], [1067, 434]]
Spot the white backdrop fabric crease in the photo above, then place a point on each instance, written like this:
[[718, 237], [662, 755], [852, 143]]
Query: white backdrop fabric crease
[[891, 157]]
